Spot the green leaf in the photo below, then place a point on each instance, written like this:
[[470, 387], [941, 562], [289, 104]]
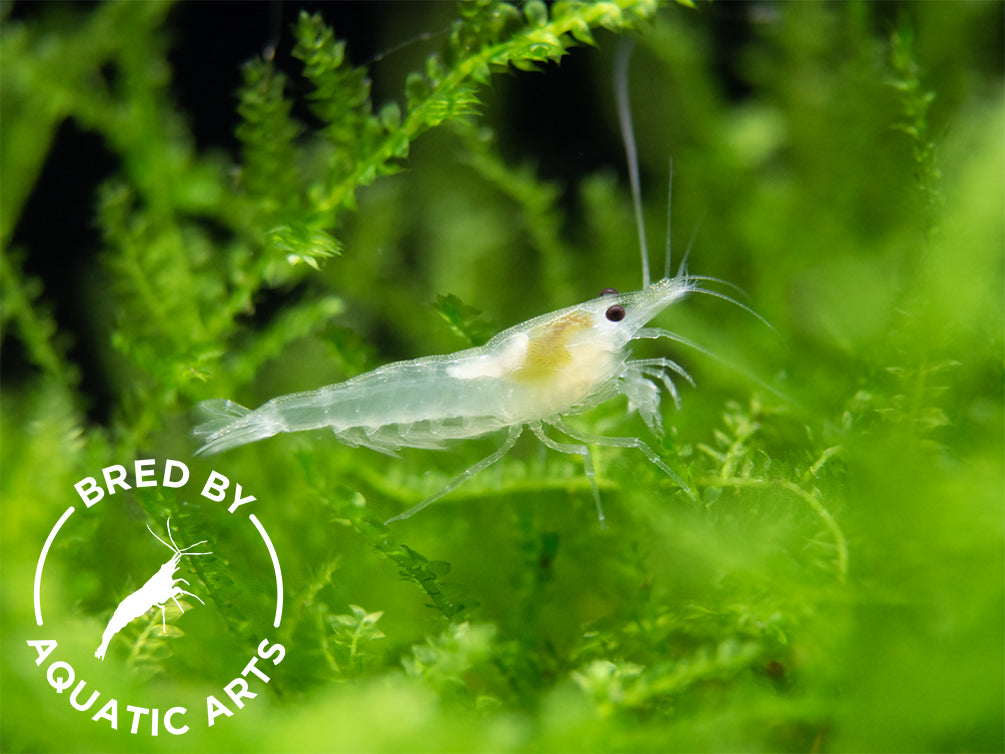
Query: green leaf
[[463, 319]]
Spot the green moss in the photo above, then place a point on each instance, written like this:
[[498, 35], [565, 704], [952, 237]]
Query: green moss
[[836, 586]]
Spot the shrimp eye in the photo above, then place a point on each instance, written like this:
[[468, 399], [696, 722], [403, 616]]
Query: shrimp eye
[[609, 292], [616, 313]]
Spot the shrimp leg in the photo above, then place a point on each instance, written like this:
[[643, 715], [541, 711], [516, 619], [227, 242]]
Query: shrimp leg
[[622, 442], [511, 438], [579, 450]]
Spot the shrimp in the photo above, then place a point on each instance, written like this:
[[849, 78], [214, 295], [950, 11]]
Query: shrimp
[[158, 589], [530, 376]]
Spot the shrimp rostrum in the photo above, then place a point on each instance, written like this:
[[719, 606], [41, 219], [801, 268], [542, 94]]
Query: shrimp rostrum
[[530, 376]]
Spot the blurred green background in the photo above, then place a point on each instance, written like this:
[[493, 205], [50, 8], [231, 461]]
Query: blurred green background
[[838, 586]]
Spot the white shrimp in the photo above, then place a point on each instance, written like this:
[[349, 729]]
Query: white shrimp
[[530, 376], [158, 589]]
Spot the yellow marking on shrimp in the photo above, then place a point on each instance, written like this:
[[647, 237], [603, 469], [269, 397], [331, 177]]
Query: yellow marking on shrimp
[[547, 352]]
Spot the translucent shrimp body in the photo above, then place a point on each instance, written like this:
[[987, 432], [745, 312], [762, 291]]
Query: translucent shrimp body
[[528, 376]]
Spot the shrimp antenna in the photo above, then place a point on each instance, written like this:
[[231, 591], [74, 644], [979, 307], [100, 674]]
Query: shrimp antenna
[[682, 270], [275, 30], [621, 59], [666, 259], [422, 37]]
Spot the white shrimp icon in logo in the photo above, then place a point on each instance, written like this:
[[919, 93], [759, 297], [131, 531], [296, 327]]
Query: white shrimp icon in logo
[[158, 589]]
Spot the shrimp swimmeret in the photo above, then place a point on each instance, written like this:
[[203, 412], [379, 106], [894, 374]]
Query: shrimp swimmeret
[[530, 376]]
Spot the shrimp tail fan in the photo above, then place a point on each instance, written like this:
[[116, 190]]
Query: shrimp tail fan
[[229, 425]]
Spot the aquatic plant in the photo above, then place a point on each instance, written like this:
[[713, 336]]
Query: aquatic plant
[[837, 585]]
